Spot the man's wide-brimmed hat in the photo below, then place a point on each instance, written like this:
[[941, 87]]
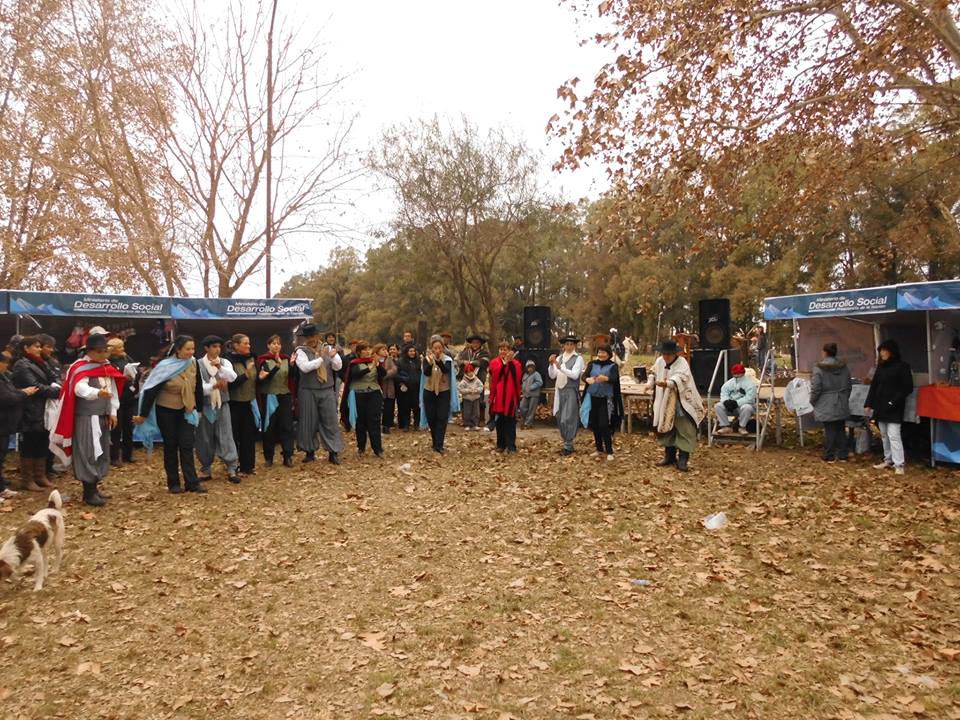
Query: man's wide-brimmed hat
[[668, 347], [308, 330], [211, 340], [569, 338], [471, 338]]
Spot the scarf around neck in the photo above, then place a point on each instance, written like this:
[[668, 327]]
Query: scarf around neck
[[212, 370]]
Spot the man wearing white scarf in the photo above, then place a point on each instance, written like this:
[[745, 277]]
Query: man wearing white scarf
[[566, 370], [677, 406], [214, 432]]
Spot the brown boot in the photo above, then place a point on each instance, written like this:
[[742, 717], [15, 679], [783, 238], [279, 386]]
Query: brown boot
[[27, 471], [40, 474]]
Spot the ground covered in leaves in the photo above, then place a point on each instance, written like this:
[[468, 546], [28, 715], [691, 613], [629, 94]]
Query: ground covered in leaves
[[480, 586]]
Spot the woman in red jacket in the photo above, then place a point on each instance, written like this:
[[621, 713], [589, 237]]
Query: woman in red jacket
[[505, 379]]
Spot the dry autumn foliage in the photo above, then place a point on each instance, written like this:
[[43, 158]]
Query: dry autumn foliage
[[761, 147]]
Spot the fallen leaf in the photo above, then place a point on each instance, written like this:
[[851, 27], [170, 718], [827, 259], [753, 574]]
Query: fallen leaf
[[386, 690], [88, 667], [633, 669], [469, 670], [67, 641], [238, 584], [374, 641], [181, 701]]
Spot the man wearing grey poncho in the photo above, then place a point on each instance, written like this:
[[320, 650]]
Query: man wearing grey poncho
[[566, 370], [317, 396]]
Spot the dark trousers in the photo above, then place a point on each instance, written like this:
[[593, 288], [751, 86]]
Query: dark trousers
[[437, 409], [388, 407], [121, 437], [506, 431], [835, 440], [369, 409], [179, 438], [408, 403], [244, 434], [34, 444], [600, 424], [4, 443], [280, 430]]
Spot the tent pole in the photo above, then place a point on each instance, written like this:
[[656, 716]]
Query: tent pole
[[796, 369], [933, 422]]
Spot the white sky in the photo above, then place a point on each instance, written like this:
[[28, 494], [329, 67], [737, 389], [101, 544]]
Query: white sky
[[499, 62]]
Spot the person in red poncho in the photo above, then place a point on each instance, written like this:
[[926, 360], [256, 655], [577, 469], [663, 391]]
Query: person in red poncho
[[506, 376], [88, 412]]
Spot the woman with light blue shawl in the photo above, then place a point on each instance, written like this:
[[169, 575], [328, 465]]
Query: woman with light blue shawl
[[439, 399], [169, 402]]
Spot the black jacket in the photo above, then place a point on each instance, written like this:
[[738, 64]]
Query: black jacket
[[11, 405], [408, 371], [27, 372], [891, 385], [131, 388]]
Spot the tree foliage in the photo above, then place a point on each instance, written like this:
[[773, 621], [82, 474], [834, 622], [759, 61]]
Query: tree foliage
[[466, 195]]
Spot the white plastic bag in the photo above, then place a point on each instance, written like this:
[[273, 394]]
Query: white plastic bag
[[717, 521], [797, 397]]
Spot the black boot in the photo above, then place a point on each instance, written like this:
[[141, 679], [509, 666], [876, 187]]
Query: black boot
[[669, 457], [91, 497], [309, 457], [333, 459], [682, 462], [287, 461]]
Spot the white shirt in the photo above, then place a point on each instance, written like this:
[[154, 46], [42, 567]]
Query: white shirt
[[85, 390], [309, 366], [225, 372]]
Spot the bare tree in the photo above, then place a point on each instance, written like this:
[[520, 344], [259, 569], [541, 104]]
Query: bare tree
[[220, 141], [468, 195]]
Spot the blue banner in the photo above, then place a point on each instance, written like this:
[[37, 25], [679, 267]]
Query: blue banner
[[240, 309], [929, 296], [76, 305], [841, 302]]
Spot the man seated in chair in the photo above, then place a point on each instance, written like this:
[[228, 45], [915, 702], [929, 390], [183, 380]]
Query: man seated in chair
[[738, 397]]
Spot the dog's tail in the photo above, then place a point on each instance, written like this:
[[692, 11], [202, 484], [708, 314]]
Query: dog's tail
[[55, 502]]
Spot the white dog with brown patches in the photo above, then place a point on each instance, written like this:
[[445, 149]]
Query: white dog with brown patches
[[31, 544]]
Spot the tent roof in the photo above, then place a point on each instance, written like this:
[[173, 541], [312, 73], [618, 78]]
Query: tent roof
[[936, 295]]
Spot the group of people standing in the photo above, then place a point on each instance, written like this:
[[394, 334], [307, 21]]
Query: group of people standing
[[885, 404], [210, 400]]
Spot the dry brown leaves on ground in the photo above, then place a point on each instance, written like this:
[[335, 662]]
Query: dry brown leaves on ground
[[481, 586]]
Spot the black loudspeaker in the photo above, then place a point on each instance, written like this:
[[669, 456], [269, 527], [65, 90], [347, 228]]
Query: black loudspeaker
[[702, 365], [715, 324], [536, 327]]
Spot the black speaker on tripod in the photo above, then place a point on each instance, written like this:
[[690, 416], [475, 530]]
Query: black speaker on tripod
[[536, 327], [715, 324]]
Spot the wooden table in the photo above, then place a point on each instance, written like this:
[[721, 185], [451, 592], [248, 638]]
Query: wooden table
[[635, 402]]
